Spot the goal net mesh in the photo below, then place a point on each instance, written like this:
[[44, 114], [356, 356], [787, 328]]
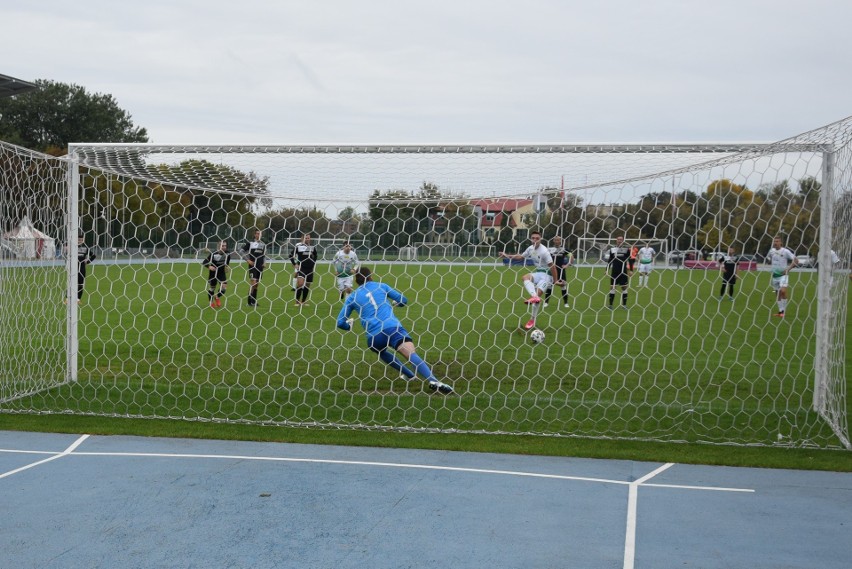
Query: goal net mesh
[[677, 364]]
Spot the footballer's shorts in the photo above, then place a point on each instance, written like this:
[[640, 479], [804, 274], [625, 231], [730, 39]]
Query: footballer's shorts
[[645, 268], [255, 273], [307, 275], [542, 281], [344, 283], [388, 338], [217, 276], [779, 282], [621, 279]]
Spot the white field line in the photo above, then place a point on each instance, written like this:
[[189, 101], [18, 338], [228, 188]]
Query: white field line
[[372, 463], [66, 452], [633, 499]]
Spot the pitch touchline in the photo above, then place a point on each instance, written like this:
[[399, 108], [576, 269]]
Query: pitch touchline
[[363, 463]]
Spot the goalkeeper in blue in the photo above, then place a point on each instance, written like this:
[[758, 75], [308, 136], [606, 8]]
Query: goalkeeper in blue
[[385, 334]]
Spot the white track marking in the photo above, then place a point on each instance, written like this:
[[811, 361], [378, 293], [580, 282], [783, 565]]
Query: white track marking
[[632, 496], [379, 464], [632, 499], [358, 463], [687, 487], [66, 452]]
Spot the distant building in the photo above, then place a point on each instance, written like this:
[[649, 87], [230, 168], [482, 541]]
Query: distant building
[[10, 86], [498, 213]]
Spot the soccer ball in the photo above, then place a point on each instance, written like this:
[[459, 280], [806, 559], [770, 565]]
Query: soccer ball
[[537, 336]]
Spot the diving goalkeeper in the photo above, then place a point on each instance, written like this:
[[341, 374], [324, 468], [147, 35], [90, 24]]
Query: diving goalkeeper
[[372, 302]]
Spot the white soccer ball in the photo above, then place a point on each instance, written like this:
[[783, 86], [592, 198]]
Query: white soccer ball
[[537, 336]]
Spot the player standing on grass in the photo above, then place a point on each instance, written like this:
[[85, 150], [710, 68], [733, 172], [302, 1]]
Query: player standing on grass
[[256, 259], [344, 265], [646, 263], [562, 260], [782, 261], [541, 279], [619, 270], [218, 264], [304, 258], [85, 257], [728, 269], [372, 301]]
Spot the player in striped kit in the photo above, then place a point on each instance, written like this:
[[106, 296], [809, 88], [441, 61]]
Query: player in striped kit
[[218, 263], [728, 269], [256, 260], [562, 260], [619, 270], [304, 259], [85, 257]]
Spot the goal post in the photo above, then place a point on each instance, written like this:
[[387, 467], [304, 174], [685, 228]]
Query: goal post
[[154, 336]]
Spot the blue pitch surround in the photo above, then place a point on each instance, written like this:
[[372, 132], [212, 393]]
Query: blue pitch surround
[[93, 501]]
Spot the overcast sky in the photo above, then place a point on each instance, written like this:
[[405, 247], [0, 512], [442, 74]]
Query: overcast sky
[[444, 71]]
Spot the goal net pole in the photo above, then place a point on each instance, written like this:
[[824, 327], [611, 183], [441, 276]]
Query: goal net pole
[[823, 343], [72, 224]]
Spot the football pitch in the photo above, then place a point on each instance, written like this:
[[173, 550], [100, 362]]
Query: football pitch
[[678, 364]]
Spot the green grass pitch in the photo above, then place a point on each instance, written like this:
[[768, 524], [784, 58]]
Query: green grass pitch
[[678, 364]]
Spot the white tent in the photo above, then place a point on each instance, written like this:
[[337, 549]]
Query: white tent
[[27, 242]]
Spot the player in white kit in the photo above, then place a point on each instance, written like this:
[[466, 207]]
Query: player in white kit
[[541, 279], [782, 260]]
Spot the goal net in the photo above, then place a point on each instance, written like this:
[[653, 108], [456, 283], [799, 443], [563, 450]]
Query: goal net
[[33, 277], [152, 336]]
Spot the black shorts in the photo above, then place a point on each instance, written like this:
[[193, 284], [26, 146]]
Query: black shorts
[[255, 273], [560, 273], [307, 275], [620, 279], [217, 276], [729, 279]]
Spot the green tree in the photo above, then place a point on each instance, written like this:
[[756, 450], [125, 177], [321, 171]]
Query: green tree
[[727, 204], [289, 223], [222, 199], [349, 213], [399, 218], [808, 220], [56, 114]]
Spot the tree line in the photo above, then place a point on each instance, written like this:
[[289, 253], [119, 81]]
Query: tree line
[[723, 214]]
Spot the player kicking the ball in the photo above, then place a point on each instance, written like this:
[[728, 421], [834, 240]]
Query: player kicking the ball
[[385, 334], [541, 279]]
